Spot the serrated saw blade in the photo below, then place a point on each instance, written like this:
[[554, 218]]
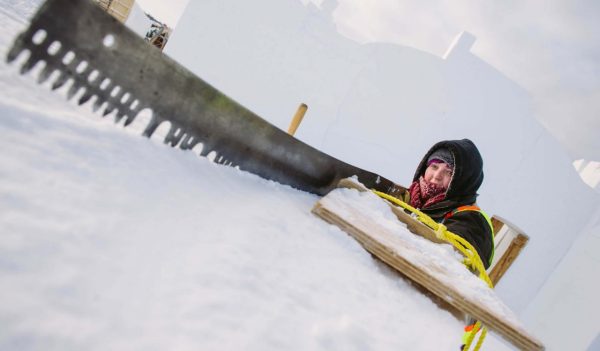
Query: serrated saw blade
[[104, 59]]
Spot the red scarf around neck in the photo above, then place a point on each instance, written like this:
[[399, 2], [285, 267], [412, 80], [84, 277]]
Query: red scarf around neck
[[424, 194]]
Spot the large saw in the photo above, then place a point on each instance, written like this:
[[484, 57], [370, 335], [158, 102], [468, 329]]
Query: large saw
[[102, 58]]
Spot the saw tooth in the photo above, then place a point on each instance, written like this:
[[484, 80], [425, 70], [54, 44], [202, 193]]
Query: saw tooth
[[188, 142], [174, 135], [119, 116], [151, 127], [198, 147], [98, 103], [73, 89], [28, 65], [14, 52], [206, 148], [86, 96], [45, 73], [109, 108], [60, 81], [116, 99], [134, 111], [22, 43], [102, 97], [212, 156], [130, 118]]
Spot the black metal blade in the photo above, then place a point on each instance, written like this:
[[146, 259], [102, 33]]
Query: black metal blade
[[100, 55]]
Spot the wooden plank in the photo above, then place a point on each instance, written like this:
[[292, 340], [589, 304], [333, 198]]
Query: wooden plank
[[502, 242], [510, 241], [507, 249], [510, 255], [400, 255], [497, 224]]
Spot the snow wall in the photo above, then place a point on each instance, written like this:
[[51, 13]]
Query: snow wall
[[381, 106], [138, 21], [566, 312]]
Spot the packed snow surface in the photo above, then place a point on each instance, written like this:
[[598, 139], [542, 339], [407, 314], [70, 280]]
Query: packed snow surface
[[113, 241]]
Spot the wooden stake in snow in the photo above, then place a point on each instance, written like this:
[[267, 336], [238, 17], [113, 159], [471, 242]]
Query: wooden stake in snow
[[297, 119]]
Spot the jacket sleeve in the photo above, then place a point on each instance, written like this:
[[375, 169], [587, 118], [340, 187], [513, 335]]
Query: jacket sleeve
[[473, 227]]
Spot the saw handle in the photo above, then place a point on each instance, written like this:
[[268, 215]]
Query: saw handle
[[300, 112]]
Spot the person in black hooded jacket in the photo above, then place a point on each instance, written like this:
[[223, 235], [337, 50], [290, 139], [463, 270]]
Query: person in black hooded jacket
[[445, 188]]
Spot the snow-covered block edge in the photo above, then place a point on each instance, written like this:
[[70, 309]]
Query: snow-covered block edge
[[371, 221]]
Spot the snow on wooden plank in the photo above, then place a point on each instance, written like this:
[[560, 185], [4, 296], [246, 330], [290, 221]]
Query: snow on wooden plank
[[439, 271]]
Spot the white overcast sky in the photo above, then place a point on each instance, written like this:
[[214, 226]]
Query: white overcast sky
[[168, 12], [549, 47]]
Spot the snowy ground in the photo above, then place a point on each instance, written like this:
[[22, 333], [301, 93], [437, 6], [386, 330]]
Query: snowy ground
[[112, 241]]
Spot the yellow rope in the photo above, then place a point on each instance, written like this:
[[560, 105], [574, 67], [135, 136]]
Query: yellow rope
[[480, 341], [472, 259], [472, 334], [471, 337]]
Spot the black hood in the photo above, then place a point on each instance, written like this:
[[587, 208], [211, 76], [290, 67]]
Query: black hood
[[468, 171]]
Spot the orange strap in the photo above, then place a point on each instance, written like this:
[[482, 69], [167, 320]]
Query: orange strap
[[462, 208], [470, 328]]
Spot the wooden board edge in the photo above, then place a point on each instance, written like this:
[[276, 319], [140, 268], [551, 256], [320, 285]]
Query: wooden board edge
[[510, 255], [515, 336]]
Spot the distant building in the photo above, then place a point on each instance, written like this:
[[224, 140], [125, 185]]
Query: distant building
[[119, 9]]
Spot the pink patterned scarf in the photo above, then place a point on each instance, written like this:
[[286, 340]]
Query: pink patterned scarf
[[424, 194]]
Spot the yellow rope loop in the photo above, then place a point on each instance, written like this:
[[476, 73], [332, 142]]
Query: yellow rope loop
[[472, 259], [468, 262], [441, 231], [423, 218]]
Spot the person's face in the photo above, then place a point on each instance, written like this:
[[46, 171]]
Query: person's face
[[439, 174]]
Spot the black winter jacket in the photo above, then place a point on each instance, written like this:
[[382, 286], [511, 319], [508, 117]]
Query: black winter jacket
[[462, 190]]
